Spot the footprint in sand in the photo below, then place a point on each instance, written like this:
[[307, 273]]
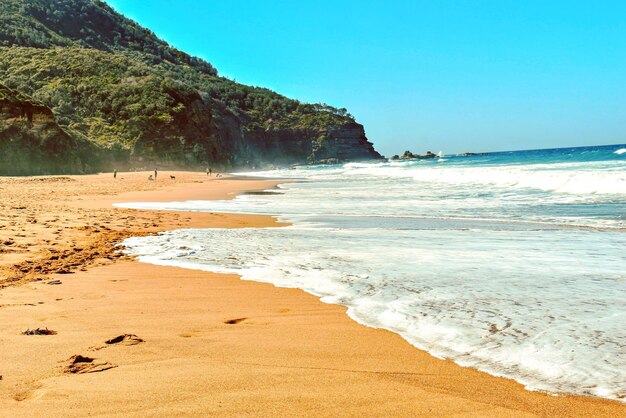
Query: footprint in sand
[[30, 393], [125, 339], [79, 364], [189, 334]]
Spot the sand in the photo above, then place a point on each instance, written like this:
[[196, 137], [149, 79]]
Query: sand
[[197, 343]]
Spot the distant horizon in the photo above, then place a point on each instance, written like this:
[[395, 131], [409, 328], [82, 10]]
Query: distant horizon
[[508, 150], [493, 77]]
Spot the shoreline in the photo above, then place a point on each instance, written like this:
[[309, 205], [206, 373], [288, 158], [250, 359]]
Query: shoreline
[[258, 348]]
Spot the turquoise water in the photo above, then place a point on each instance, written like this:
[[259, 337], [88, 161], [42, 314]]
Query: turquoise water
[[513, 263]]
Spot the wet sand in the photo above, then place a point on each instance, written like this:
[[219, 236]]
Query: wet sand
[[198, 343]]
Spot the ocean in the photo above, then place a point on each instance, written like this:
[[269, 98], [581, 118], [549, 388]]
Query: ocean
[[513, 263]]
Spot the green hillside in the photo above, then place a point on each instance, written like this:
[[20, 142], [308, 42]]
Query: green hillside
[[114, 83]]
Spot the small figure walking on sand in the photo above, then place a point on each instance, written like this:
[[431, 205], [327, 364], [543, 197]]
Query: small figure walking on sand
[[155, 173], [209, 171], [114, 174]]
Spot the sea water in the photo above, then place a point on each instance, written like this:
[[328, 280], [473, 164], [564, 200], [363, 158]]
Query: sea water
[[513, 263]]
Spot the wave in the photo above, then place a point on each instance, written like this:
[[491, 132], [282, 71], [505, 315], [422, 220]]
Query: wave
[[559, 178], [557, 194], [573, 178], [620, 151]]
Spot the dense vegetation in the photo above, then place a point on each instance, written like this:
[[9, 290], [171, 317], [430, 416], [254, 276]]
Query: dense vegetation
[[116, 84], [87, 24], [119, 103]]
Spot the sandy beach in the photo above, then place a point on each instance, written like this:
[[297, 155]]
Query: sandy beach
[[134, 339]]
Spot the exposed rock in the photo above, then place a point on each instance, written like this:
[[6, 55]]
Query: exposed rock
[[31, 142], [408, 155], [263, 148], [345, 143], [473, 154]]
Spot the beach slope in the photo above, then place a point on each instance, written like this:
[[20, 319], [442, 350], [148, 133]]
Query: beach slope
[[134, 339]]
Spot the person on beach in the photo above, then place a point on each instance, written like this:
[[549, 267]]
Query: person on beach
[[114, 174], [155, 173]]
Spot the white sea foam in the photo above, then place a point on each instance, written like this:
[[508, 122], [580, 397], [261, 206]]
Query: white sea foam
[[621, 151], [564, 193]]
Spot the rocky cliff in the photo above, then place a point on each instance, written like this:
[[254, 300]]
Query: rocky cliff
[[31, 142], [291, 146]]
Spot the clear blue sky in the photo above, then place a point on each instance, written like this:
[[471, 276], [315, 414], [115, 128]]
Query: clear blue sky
[[423, 75]]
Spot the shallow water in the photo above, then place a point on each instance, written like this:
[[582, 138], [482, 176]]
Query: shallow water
[[512, 263]]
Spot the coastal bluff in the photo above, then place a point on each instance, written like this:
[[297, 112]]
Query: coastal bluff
[[331, 145], [120, 97], [31, 141]]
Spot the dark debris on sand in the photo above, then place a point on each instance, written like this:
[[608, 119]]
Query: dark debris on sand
[[234, 321], [39, 331]]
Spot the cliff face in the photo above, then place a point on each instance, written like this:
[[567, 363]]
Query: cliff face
[[112, 86], [31, 142], [337, 144], [345, 143], [16, 112], [280, 146], [16, 107]]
